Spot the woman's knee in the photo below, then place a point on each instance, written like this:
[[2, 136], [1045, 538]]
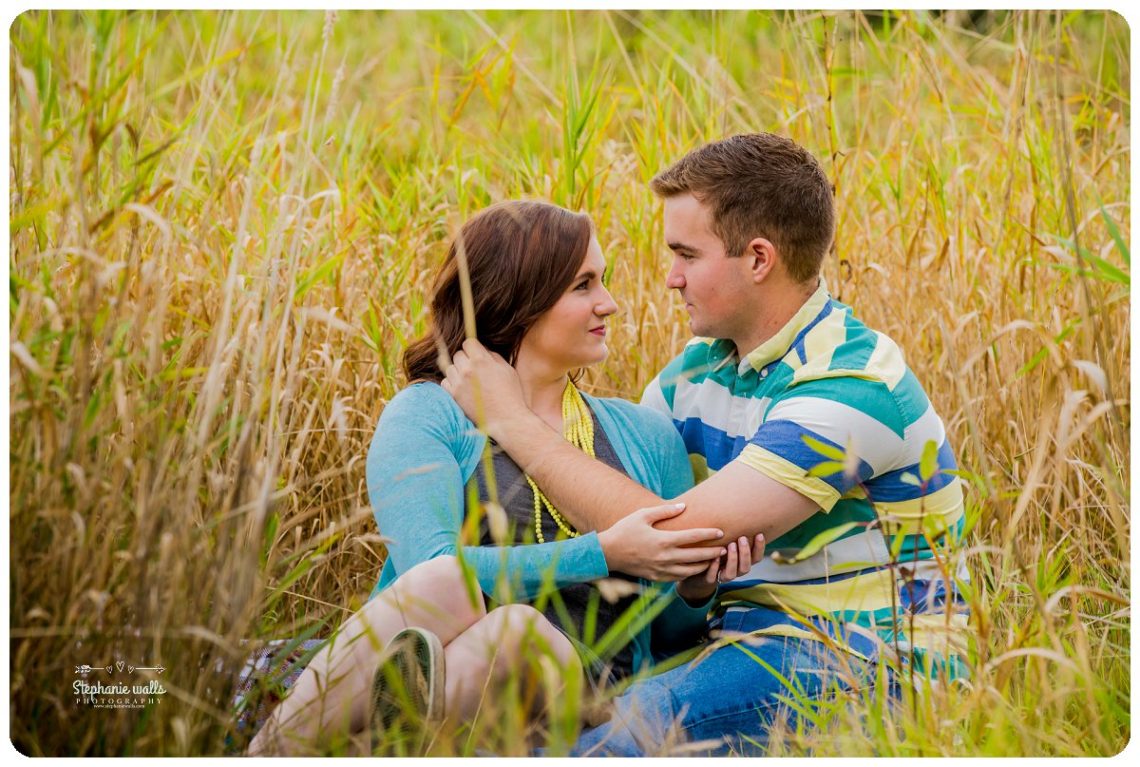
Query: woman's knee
[[521, 628], [494, 649], [514, 621], [440, 583], [433, 595], [443, 571]]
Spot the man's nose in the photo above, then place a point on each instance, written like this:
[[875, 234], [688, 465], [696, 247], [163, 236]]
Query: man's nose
[[675, 280]]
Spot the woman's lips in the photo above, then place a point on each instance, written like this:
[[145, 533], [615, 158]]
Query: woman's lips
[[601, 332]]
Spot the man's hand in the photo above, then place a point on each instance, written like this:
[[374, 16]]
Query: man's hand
[[736, 562], [635, 547], [485, 386]]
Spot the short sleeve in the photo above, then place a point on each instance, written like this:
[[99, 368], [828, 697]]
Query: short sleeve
[[825, 437]]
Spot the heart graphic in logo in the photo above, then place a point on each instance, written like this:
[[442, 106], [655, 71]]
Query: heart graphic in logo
[[130, 669], [119, 665], [108, 669]]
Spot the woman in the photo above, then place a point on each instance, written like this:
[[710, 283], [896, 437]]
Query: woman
[[537, 298]]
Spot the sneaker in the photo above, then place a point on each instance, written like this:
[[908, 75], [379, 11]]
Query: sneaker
[[409, 680]]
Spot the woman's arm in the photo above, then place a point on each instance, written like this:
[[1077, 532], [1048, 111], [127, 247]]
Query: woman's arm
[[680, 625], [423, 451], [416, 486]]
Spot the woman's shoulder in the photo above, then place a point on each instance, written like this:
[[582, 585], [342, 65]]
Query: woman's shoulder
[[649, 443], [421, 392], [423, 415], [422, 403], [420, 429]]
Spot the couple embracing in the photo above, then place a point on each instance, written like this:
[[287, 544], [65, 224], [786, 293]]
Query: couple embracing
[[785, 425]]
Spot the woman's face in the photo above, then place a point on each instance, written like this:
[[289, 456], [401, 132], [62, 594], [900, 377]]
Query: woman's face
[[572, 333]]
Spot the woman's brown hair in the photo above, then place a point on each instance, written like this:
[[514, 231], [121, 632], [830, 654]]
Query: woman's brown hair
[[521, 257]]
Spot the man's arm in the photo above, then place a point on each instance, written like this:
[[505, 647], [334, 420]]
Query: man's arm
[[738, 500]]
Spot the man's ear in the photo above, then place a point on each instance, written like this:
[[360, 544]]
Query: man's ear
[[763, 257]]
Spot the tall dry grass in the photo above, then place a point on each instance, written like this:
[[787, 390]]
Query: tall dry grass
[[223, 228]]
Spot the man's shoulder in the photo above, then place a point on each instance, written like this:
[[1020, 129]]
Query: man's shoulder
[[841, 346], [701, 358], [844, 360], [698, 350]]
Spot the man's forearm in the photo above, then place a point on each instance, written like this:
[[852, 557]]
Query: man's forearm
[[587, 492], [739, 500]]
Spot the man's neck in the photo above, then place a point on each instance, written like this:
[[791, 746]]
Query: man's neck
[[778, 306]]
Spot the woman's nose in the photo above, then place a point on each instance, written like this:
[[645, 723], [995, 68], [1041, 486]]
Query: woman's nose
[[607, 305]]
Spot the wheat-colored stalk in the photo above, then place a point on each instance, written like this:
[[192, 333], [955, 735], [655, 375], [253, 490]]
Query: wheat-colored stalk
[[220, 244]]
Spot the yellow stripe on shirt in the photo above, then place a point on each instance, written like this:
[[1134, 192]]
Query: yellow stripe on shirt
[[788, 474], [870, 591], [934, 514]]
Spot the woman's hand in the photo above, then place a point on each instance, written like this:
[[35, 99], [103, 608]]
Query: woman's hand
[[635, 547], [738, 561]]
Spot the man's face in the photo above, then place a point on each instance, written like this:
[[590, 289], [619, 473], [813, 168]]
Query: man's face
[[714, 287]]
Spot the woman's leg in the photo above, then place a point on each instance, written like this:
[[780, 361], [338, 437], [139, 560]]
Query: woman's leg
[[498, 645], [332, 695]]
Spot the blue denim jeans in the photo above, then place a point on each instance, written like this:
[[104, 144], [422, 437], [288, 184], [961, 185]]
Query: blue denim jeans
[[725, 702]]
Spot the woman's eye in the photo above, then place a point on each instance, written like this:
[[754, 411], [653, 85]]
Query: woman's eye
[[582, 285]]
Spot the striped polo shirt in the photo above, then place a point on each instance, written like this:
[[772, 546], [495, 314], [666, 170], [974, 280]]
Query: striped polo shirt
[[829, 408]]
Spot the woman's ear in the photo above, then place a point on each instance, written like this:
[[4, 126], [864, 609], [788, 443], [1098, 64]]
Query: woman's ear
[[763, 257]]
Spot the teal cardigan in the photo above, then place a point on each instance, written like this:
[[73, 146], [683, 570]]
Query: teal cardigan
[[425, 450]]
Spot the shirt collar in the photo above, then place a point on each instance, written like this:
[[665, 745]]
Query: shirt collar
[[777, 346]]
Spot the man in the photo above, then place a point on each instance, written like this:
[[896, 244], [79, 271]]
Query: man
[[802, 424]]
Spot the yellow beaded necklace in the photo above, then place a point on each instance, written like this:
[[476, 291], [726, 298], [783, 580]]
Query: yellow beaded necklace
[[578, 429]]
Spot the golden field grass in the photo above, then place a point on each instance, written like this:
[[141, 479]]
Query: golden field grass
[[223, 227]]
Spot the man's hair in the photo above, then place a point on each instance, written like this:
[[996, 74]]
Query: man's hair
[[760, 185]]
